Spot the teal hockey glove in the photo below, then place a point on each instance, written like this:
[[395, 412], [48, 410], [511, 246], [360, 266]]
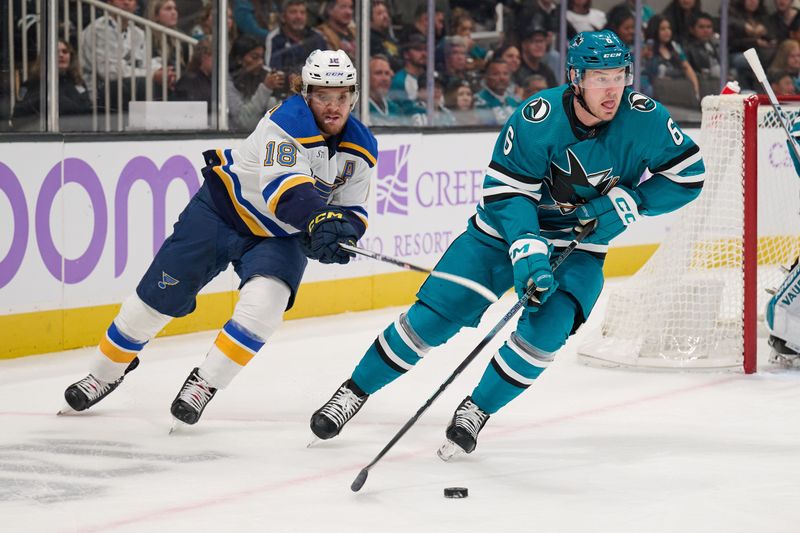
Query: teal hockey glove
[[530, 257], [614, 212]]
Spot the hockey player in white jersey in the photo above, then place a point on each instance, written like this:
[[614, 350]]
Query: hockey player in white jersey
[[296, 188], [783, 310]]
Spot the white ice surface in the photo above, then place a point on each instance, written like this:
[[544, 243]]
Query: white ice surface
[[584, 450]]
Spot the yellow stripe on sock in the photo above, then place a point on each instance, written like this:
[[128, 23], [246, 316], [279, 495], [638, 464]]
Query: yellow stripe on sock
[[233, 351], [114, 353]]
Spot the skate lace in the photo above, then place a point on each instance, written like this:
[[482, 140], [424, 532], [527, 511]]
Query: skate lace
[[342, 406], [470, 417], [92, 387], [196, 392]]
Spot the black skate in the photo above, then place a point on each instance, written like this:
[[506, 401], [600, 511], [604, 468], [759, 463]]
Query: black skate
[[782, 354], [462, 433], [328, 420], [90, 390], [190, 402]]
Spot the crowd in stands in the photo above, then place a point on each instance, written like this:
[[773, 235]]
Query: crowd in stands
[[477, 81]]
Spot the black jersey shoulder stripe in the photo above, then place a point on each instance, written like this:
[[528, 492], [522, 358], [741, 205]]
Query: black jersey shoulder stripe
[[488, 199], [494, 165], [677, 159]]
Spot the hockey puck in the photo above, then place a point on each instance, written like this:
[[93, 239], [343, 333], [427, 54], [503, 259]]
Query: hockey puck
[[456, 492]]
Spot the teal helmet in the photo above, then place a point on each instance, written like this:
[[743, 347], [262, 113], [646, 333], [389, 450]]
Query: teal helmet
[[598, 50]]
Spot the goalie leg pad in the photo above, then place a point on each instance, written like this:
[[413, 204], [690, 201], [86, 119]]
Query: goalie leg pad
[[401, 345], [783, 311], [257, 315]]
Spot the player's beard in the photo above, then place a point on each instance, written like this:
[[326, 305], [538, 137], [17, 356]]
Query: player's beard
[[332, 128]]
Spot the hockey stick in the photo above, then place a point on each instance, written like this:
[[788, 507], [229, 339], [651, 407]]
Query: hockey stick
[[464, 282], [755, 64], [361, 478]]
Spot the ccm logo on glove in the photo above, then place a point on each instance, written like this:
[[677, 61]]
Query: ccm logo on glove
[[625, 205], [321, 217], [614, 212]]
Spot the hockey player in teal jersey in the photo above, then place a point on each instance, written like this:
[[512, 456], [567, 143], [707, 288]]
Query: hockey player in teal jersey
[[783, 309], [566, 156]]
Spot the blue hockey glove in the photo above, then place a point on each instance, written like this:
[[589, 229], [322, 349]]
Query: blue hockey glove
[[326, 228], [530, 257], [614, 212]]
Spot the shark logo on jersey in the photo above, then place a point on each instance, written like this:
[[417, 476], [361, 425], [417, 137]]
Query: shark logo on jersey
[[640, 102], [574, 186], [536, 111]]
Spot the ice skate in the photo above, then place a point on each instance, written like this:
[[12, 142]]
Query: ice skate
[[328, 420], [85, 393], [192, 399], [462, 433]]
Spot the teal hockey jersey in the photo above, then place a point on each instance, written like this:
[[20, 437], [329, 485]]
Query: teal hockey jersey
[[545, 164]]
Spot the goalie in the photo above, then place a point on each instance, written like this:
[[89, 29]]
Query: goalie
[[783, 310]]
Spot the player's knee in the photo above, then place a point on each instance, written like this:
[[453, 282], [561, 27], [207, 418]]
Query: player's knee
[[138, 321], [548, 329], [429, 326], [262, 301]]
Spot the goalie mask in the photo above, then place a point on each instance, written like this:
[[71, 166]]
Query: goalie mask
[[330, 68]]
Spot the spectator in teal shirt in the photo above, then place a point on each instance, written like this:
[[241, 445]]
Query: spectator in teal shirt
[[492, 103], [405, 84], [256, 18], [382, 111]]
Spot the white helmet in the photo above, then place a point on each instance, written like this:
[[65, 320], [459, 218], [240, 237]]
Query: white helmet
[[330, 68]]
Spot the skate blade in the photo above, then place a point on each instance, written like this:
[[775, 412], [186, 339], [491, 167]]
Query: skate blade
[[66, 410], [176, 424], [448, 450]]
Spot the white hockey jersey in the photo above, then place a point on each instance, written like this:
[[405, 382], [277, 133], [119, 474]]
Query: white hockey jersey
[[285, 170]]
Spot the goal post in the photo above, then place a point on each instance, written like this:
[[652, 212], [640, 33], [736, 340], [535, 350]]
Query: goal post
[[698, 301]]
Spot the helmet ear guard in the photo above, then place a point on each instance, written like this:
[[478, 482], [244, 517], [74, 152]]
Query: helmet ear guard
[[330, 68]]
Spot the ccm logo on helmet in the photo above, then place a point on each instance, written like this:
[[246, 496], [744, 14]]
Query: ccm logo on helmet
[[612, 55]]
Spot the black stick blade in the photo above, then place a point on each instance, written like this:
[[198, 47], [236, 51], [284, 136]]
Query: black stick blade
[[359, 481]]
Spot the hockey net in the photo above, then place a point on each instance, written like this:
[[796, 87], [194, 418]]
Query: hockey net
[[698, 301]]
